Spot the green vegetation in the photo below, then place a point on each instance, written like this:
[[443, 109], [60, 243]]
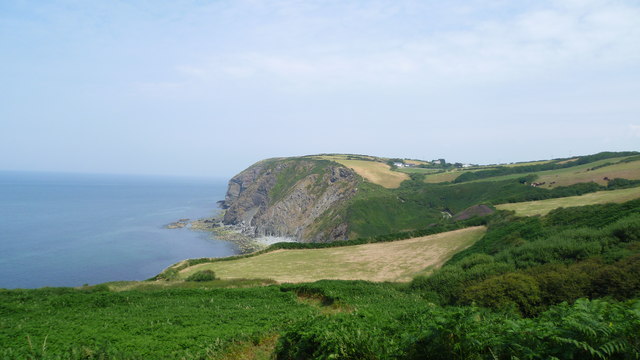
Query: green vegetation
[[407, 199], [597, 159], [296, 170], [202, 275], [529, 264], [415, 205], [60, 323], [376, 210]]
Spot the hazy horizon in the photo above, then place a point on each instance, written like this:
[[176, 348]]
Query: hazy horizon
[[207, 88]]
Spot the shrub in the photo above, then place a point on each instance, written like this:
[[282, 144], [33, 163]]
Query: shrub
[[506, 292], [204, 275]]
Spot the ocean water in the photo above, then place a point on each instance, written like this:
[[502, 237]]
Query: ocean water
[[75, 229]]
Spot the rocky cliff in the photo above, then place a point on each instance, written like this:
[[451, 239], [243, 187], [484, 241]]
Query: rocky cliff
[[301, 198]]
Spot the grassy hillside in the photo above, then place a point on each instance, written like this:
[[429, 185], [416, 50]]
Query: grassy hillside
[[424, 199], [542, 207], [390, 261], [591, 172], [393, 199]]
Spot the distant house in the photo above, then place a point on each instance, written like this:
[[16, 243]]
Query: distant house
[[466, 165], [398, 164], [437, 162]]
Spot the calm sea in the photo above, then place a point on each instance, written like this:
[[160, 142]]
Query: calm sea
[[73, 229]]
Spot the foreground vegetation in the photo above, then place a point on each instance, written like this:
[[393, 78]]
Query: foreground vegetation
[[561, 286]]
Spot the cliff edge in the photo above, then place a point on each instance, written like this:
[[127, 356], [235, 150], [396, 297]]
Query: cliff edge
[[302, 198]]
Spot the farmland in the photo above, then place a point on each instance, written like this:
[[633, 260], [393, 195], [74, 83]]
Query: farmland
[[595, 171], [390, 261]]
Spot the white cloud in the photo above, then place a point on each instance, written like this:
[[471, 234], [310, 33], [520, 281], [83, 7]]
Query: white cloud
[[566, 35], [635, 130]]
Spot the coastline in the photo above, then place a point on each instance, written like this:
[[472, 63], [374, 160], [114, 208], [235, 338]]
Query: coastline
[[233, 234]]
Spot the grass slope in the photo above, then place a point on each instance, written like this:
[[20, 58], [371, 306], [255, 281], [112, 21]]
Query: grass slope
[[392, 261], [583, 173], [542, 207]]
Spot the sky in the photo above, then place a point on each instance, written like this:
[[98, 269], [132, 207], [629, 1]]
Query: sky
[[206, 88]]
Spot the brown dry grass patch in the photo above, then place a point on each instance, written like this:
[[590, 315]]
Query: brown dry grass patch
[[542, 207], [391, 261], [376, 172]]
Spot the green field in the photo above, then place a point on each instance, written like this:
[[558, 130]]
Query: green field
[[388, 261], [446, 176], [542, 207]]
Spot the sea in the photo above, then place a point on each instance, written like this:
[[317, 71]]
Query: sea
[[75, 229]]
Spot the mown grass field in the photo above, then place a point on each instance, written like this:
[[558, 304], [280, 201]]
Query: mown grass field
[[390, 261], [417, 170], [630, 171], [542, 207], [375, 172], [451, 175]]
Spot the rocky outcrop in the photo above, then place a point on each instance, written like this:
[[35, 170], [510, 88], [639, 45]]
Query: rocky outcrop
[[292, 197]]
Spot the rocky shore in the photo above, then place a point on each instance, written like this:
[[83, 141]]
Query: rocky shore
[[230, 233]]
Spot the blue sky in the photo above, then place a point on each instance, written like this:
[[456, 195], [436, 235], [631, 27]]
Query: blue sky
[[209, 87]]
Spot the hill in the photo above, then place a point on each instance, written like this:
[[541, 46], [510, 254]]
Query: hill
[[329, 197]]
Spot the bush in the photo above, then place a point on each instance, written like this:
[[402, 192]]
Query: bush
[[204, 275], [505, 292]]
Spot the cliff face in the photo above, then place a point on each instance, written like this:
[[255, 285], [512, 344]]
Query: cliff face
[[299, 198]]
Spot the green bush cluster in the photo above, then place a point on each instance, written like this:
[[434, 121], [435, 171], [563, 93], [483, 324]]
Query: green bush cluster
[[524, 264], [203, 275]]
